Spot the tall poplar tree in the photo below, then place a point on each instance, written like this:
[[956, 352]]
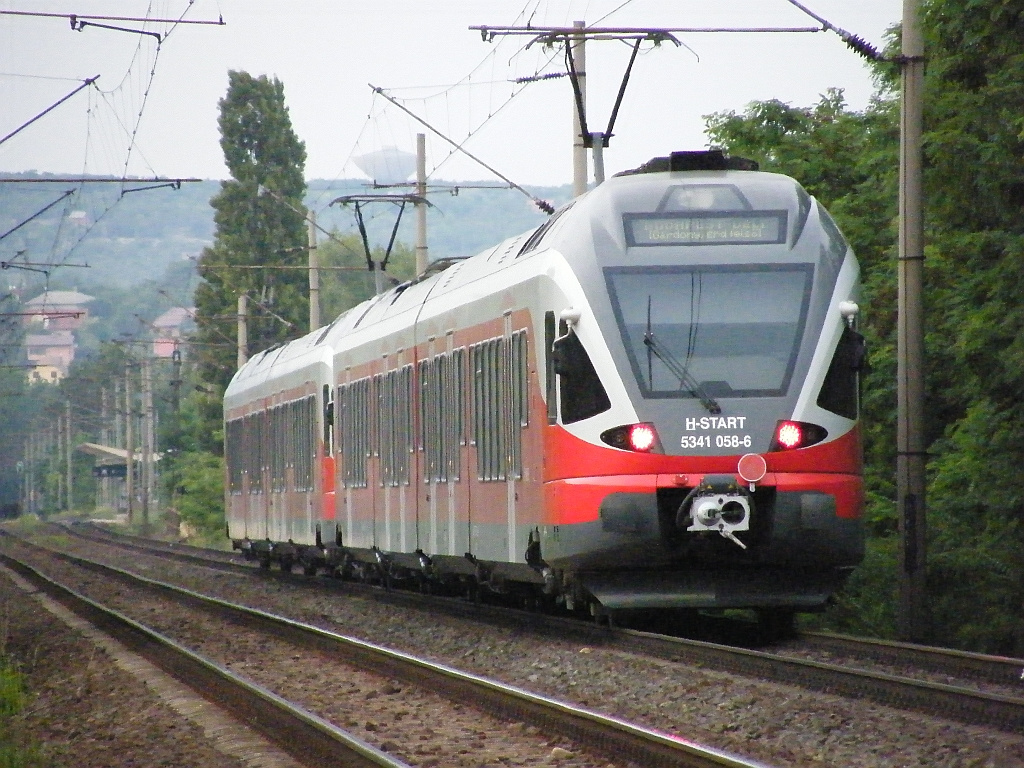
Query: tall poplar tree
[[260, 222]]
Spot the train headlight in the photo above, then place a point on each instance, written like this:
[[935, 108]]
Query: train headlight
[[641, 438], [790, 435]]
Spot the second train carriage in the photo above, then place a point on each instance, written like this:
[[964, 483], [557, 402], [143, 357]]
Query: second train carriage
[[648, 402], [280, 474]]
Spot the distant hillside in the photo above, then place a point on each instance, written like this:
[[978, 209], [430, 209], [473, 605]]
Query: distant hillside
[[132, 237]]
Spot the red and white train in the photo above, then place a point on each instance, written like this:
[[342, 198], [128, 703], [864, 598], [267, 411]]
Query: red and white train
[[648, 402]]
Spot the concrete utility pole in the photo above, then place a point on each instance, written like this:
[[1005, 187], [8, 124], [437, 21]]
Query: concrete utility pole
[[27, 475], [243, 331], [910, 457], [579, 146], [176, 380], [33, 446], [147, 442], [67, 445], [422, 257], [129, 438], [574, 40], [314, 272], [104, 487], [118, 442]]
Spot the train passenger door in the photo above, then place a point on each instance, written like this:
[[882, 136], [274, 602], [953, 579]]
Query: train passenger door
[[498, 369], [396, 450], [442, 414], [432, 489]]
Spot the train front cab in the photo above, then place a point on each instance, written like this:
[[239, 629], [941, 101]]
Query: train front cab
[[707, 487]]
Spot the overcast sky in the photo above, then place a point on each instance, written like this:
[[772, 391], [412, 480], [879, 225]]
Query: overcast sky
[[422, 52]]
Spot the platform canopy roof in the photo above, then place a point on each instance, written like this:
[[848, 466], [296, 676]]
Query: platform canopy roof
[[106, 454]]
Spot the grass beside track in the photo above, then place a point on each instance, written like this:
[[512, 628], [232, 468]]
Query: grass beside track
[[16, 751]]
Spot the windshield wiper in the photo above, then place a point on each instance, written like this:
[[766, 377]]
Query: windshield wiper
[[680, 372]]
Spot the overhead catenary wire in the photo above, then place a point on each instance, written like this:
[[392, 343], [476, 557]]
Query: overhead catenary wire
[[544, 205], [125, 103], [855, 42], [37, 214], [85, 84], [477, 76]]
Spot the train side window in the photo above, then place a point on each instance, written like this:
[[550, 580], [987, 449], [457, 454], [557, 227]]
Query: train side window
[[549, 367], [328, 416], [235, 453], [291, 444], [840, 392], [453, 414], [394, 425], [274, 457], [498, 368], [404, 411], [262, 433], [581, 392], [306, 448], [354, 423], [432, 427], [283, 444], [384, 430], [270, 456]]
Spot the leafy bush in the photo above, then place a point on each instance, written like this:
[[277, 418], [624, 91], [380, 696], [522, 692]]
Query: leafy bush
[[199, 480]]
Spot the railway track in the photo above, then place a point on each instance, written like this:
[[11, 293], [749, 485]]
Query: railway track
[[311, 738], [970, 688], [308, 739]]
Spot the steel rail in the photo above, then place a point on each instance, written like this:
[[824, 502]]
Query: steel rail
[[309, 739], [611, 735], [952, 701], [1001, 670], [955, 702]]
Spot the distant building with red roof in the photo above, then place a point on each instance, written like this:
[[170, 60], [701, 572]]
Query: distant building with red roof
[[58, 310], [50, 354], [169, 329]]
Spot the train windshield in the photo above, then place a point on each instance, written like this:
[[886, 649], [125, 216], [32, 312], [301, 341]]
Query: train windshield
[[709, 332]]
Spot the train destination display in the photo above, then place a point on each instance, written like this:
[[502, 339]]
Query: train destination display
[[706, 228]]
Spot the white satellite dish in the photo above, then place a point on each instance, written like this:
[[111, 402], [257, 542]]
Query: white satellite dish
[[387, 166]]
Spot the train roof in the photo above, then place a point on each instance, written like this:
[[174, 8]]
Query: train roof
[[592, 223], [304, 353]]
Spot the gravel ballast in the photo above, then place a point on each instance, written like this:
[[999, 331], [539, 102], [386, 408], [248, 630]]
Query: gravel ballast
[[778, 724]]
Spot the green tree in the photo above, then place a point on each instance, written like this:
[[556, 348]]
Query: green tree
[[260, 222], [974, 182], [200, 497], [849, 161], [974, 139], [14, 404]]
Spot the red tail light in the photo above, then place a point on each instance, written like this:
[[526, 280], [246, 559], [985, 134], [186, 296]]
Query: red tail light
[[790, 435], [641, 438]]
